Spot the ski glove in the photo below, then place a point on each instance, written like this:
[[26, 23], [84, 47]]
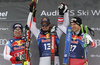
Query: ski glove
[[31, 6], [26, 27], [53, 29], [86, 41], [34, 13], [21, 57], [62, 8]]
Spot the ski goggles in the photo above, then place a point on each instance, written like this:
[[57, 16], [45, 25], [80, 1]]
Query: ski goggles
[[44, 25], [19, 30]]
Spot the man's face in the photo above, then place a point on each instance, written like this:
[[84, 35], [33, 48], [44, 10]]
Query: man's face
[[75, 27], [45, 27], [17, 32]]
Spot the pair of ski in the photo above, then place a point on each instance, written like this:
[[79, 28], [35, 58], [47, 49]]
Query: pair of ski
[[67, 45], [27, 39]]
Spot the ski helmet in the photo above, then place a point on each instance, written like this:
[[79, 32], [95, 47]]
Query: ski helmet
[[76, 20], [17, 25]]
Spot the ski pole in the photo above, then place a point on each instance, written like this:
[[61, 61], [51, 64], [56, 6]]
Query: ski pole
[[85, 45], [29, 33], [26, 63]]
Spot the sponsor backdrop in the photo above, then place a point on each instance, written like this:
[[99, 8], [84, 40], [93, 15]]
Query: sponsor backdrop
[[13, 11]]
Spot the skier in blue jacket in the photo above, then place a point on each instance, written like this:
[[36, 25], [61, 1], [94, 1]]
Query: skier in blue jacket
[[43, 36]]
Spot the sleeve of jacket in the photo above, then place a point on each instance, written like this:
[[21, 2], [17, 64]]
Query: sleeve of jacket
[[63, 22], [92, 43], [6, 53], [34, 29]]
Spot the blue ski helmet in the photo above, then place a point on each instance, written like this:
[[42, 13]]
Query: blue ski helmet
[[17, 25], [45, 19]]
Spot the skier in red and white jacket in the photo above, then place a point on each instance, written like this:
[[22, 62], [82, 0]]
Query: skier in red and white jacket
[[14, 48]]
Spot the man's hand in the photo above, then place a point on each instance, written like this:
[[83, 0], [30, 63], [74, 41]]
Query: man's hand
[[53, 29], [34, 13], [26, 27], [62, 8], [21, 57], [31, 6], [86, 41]]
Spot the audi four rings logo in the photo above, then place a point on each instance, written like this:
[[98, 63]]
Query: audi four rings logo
[[3, 41], [97, 42]]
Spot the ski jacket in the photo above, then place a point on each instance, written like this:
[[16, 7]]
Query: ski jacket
[[44, 45], [76, 47], [40, 37], [44, 40], [13, 49], [78, 51]]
